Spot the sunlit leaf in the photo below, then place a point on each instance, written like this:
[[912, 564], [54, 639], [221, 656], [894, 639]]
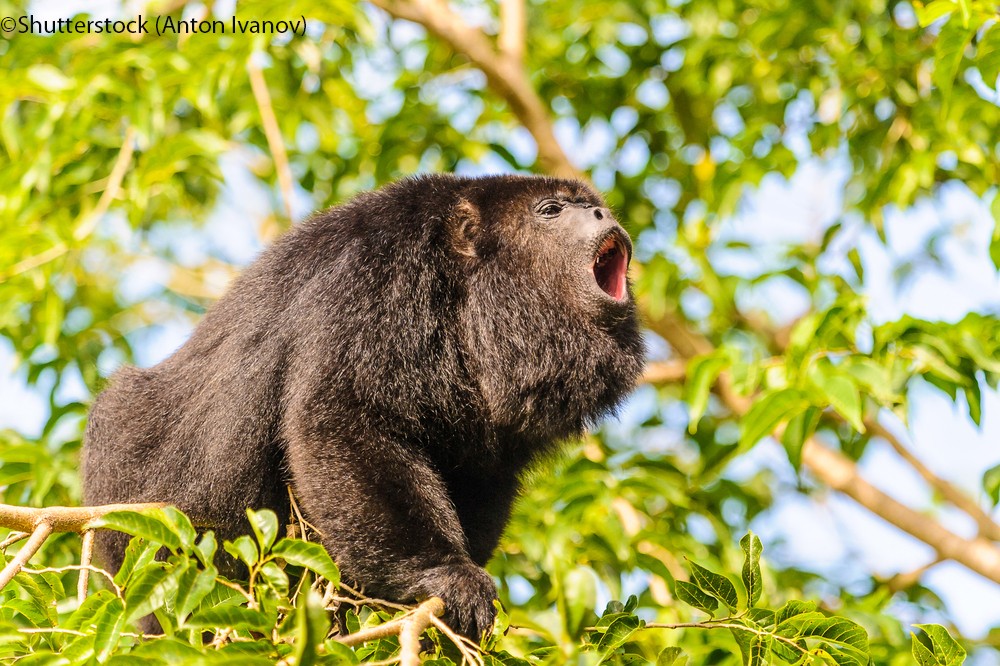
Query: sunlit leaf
[[309, 555]]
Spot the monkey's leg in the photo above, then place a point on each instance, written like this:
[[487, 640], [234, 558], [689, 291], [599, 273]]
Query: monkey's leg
[[390, 525]]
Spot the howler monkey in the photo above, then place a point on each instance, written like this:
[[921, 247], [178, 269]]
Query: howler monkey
[[398, 360]]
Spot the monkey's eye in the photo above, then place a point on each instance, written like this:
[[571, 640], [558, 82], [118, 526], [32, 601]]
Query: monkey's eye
[[551, 209]]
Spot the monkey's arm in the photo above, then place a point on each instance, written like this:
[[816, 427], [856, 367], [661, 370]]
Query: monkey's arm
[[387, 519]]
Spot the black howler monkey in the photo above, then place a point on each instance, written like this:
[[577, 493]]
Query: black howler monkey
[[398, 360]]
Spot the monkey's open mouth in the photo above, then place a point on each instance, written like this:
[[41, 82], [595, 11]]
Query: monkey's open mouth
[[610, 267]]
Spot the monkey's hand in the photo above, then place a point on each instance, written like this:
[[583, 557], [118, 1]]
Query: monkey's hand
[[468, 593]]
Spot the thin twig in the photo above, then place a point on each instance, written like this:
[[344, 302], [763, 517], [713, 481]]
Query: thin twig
[[14, 538], [298, 515], [38, 537], [239, 588], [111, 191], [664, 372], [906, 580], [86, 553], [77, 567], [460, 642], [727, 625], [366, 601], [54, 252], [273, 134]]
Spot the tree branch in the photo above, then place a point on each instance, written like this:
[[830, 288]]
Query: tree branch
[[840, 473], [38, 537], [505, 75], [43, 522], [664, 372], [407, 627], [61, 518], [512, 31], [86, 554], [987, 528]]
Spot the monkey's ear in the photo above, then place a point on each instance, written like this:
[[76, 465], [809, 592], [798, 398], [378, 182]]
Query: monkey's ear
[[463, 228]]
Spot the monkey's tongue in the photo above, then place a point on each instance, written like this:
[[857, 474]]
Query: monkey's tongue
[[610, 268]]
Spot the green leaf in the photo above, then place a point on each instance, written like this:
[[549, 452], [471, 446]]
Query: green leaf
[[752, 549], [692, 595], [974, 398], [702, 371], [243, 549], [311, 627], [927, 14], [669, 656], [265, 527], [192, 586], [768, 412], [798, 430], [715, 584], [942, 651], [793, 608], [995, 207], [948, 52], [149, 590], [991, 484], [619, 632], [579, 594], [109, 629], [755, 645], [275, 577], [205, 550], [309, 555], [179, 525], [235, 617], [846, 641], [840, 391], [138, 554], [89, 611], [140, 525]]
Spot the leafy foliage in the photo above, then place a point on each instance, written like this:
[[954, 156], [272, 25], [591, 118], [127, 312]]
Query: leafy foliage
[[681, 109]]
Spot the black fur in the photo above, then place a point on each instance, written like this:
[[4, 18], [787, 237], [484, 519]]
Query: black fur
[[399, 360]]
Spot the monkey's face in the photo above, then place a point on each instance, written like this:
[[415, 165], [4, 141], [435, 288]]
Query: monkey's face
[[597, 248]]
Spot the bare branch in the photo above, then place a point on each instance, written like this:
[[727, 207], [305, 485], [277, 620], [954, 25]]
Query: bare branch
[[906, 580], [407, 627], [13, 538], [86, 553], [62, 518], [81, 568], [512, 31], [413, 626], [838, 472], [664, 372], [38, 537], [987, 528], [273, 134], [505, 76]]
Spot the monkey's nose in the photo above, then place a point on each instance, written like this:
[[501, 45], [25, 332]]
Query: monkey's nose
[[598, 214]]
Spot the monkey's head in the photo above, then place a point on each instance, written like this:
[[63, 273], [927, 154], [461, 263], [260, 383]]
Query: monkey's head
[[551, 317]]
